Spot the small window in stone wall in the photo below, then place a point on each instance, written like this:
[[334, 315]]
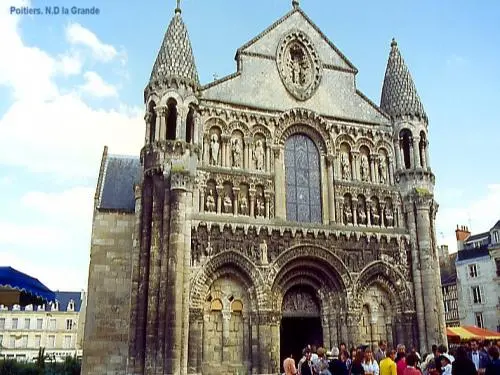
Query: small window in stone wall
[[237, 306], [216, 305]]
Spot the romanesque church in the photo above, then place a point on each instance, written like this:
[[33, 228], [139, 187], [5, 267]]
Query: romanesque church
[[269, 209]]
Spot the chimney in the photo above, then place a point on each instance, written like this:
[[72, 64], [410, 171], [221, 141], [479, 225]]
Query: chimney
[[462, 233]]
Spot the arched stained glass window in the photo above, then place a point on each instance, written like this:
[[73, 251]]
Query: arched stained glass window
[[303, 182]]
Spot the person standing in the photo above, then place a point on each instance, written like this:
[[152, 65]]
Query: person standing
[[388, 365], [289, 366], [411, 365], [463, 365], [306, 368], [380, 353], [478, 357], [493, 368]]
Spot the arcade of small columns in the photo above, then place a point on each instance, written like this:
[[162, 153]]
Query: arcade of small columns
[[231, 333], [412, 151]]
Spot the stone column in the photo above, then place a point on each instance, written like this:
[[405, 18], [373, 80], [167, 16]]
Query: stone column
[[161, 125], [327, 342], [236, 194], [397, 153], [427, 160], [147, 119], [220, 192], [330, 159], [416, 152], [373, 328], [205, 344], [268, 159], [390, 172], [368, 216], [389, 335], [247, 345], [154, 274], [251, 193], [417, 278], [355, 165], [265, 342], [372, 168], [408, 321], [344, 336], [355, 211], [196, 128], [195, 341], [267, 199], [180, 129], [202, 198], [400, 331], [275, 343], [279, 181], [136, 240], [324, 191], [178, 285], [254, 342], [206, 151], [352, 320], [248, 152]]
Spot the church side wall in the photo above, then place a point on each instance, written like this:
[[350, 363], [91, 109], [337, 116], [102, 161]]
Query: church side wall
[[105, 347]]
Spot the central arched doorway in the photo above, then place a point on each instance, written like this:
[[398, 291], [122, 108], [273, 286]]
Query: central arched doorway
[[300, 322]]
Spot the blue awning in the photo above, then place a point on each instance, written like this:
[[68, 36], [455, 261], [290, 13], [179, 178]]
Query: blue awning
[[12, 278]]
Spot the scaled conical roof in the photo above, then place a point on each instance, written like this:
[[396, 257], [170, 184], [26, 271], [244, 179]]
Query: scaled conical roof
[[175, 59], [399, 94]]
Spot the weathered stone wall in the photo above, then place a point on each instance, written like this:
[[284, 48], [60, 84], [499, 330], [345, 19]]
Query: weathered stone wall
[[108, 305]]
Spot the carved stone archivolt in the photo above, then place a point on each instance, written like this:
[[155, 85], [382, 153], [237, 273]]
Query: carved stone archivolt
[[299, 302], [299, 65]]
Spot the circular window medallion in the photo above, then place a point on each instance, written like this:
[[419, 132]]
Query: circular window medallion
[[299, 65]]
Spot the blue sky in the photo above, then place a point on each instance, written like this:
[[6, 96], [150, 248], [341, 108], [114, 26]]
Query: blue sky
[[71, 84]]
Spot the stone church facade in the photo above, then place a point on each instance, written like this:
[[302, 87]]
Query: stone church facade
[[269, 209]]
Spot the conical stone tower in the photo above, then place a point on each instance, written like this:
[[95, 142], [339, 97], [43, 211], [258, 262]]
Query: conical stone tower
[[413, 175], [159, 320]]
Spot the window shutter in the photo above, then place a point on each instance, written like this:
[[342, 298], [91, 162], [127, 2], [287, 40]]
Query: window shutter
[[483, 295], [477, 269]]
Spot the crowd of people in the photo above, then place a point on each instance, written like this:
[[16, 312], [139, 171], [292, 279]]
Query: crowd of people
[[472, 358]]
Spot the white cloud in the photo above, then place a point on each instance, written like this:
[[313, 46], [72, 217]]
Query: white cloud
[[482, 213], [97, 87], [6, 181], [31, 236], [70, 64], [77, 34]]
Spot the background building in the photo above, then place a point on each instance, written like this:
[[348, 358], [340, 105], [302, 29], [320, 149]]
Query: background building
[[478, 269], [449, 286], [55, 326]]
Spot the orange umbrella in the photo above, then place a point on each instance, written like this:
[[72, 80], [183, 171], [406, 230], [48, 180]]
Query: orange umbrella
[[467, 333]]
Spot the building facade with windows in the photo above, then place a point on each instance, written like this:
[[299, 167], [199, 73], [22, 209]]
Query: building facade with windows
[[56, 327], [269, 209], [449, 286], [478, 275]]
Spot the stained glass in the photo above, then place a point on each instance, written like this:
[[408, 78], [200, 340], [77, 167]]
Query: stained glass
[[303, 183]]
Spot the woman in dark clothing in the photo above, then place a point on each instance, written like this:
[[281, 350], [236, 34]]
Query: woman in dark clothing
[[462, 364], [357, 364]]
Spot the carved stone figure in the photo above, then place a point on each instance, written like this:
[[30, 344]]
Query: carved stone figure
[[382, 170], [347, 212], [263, 253], [388, 216], [346, 167], [361, 213], [227, 202], [299, 302], [375, 213], [209, 250], [259, 155], [260, 205], [243, 203], [214, 149], [365, 169], [210, 205], [237, 152]]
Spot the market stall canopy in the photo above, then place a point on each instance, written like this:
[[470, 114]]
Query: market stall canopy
[[11, 278], [466, 333]]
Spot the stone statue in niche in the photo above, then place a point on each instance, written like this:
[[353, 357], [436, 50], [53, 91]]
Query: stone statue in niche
[[259, 155], [263, 253], [361, 213], [243, 203], [375, 213], [214, 149], [227, 202], [299, 65], [345, 166], [210, 205], [209, 250], [237, 152], [260, 206], [347, 212], [382, 170], [365, 169], [388, 215]]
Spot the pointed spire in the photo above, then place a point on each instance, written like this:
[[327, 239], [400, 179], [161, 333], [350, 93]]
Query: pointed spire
[[399, 94], [175, 59], [295, 4]]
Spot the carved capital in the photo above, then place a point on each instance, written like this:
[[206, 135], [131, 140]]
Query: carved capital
[[269, 317], [330, 160], [181, 181], [137, 191], [195, 315]]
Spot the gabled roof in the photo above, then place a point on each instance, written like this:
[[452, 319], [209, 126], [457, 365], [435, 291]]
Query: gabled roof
[[497, 225], [399, 95], [297, 9], [175, 60], [118, 175], [476, 237], [65, 297]]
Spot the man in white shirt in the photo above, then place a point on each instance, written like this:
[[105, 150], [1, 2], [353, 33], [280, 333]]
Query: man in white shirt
[[478, 357]]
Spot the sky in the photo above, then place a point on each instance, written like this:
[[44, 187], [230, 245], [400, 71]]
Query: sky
[[71, 84]]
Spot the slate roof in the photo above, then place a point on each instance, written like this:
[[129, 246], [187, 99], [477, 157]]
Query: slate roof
[[399, 94], [175, 59], [64, 297], [119, 174], [473, 253], [497, 225], [479, 236]]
